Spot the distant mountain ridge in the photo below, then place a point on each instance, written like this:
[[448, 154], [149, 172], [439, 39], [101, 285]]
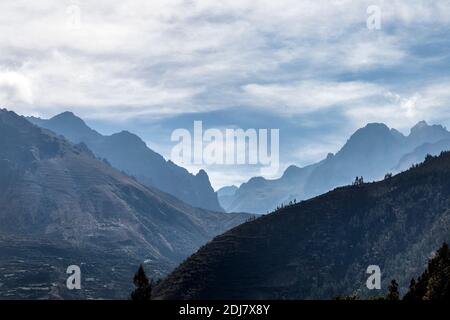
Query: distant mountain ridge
[[370, 152], [320, 248], [127, 152], [226, 195], [60, 205], [419, 153]]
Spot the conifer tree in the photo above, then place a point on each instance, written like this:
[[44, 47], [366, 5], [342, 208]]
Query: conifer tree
[[438, 287], [393, 293], [143, 286], [434, 283]]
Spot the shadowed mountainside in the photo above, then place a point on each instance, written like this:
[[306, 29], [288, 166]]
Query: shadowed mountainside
[[127, 152], [58, 199], [370, 152], [321, 248]]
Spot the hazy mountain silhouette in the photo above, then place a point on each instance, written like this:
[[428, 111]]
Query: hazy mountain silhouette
[[423, 133], [60, 205], [321, 248], [226, 195], [370, 152], [127, 152], [421, 152], [260, 195]]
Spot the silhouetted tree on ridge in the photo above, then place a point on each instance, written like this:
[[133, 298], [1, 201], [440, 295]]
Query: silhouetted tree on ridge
[[393, 293], [434, 283], [143, 286]]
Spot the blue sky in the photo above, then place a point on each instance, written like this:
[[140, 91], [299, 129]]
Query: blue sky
[[309, 68]]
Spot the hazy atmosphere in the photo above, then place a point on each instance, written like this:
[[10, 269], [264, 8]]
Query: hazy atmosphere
[[316, 71], [255, 153]]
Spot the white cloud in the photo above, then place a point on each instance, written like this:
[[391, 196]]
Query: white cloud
[[369, 52], [309, 96], [164, 57], [402, 111], [15, 88], [360, 102]]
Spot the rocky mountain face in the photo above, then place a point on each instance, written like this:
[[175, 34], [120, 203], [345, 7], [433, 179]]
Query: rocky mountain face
[[60, 205], [370, 152], [321, 248], [127, 152]]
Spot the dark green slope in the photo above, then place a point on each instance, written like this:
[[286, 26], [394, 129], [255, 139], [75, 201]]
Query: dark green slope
[[434, 282], [321, 248]]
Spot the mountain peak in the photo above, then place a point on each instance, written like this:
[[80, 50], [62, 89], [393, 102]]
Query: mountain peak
[[420, 124], [129, 153], [247, 258], [254, 182], [37, 165], [376, 126], [126, 137], [70, 121], [371, 132], [422, 132], [423, 125], [10, 117], [228, 190], [202, 175], [67, 116]]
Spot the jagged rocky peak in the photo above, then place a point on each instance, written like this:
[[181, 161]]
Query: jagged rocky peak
[[69, 118], [422, 127], [129, 153]]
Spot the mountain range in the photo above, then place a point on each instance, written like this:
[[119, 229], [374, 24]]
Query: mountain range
[[370, 152], [60, 205], [127, 152], [321, 248], [69, 195]]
